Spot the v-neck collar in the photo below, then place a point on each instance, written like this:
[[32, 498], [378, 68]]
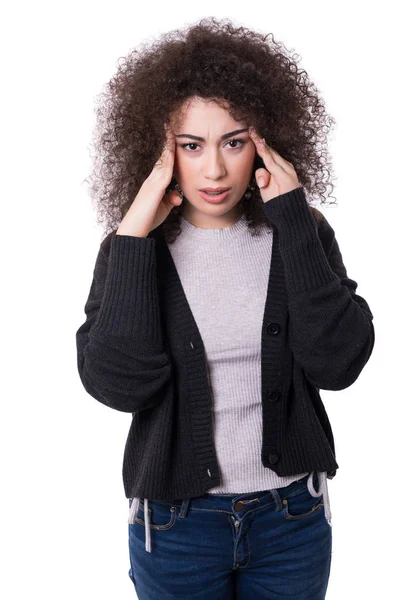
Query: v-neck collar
[[180, 311], [182, 336]]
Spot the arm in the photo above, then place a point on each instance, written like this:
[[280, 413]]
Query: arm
[[330, 326], [120, 355]]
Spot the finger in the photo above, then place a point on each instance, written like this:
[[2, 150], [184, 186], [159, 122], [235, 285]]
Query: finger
[[262, 177], [171, 142], [173, 198], [269, 154], [268, 159], [168, 152], [286, 165]]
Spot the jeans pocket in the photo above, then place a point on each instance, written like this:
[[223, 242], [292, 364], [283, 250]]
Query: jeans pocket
[[161, 515], [301, 504]]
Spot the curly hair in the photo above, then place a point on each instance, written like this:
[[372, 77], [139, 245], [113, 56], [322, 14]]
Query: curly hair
[[254, 76]]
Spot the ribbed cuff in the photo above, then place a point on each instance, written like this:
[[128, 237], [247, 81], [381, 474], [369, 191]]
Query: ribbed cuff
[[291, 214], [130, 304], [305, 262]]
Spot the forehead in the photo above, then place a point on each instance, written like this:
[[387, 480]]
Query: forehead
[[198, 111]]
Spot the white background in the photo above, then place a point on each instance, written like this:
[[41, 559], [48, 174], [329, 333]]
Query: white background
[[64, 531]]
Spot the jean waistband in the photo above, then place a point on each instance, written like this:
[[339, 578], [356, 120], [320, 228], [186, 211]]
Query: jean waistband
[[228, 501], [239, 504]]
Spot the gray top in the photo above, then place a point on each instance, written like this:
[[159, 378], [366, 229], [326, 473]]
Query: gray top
[[224, 273]]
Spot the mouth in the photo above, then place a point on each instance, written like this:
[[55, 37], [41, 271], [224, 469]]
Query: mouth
[[214, 197], [212, 191]]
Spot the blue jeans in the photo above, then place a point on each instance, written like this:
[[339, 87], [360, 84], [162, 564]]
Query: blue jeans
[[273, 544]]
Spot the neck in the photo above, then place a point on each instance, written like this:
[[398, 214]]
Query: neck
[[204, 221]]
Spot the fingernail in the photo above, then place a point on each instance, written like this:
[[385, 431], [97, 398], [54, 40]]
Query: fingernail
[[261, 182]]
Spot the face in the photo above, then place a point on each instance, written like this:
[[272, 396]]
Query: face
[[209, 155]]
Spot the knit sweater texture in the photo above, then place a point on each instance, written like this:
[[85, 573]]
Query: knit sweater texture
[[218, 345], [224, 273]]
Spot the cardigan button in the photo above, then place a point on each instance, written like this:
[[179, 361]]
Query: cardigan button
[[273, 328], [273, 458], [274, 396]]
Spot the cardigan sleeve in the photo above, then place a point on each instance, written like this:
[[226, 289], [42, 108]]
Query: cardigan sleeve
[[120, 353], [330, 326]]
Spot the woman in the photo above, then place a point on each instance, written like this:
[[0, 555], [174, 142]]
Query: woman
[[215, 317]]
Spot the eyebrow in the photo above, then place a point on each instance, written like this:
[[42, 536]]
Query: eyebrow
[[200, 139]]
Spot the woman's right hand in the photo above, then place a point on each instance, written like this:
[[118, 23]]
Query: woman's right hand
[[152, 205]]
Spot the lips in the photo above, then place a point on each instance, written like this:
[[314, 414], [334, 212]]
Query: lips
[[214, 198], [209, 189]]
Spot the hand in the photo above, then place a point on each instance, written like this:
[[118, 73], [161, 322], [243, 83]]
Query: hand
[[153, 203], [279, 175]]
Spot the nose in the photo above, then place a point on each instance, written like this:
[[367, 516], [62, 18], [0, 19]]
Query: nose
[[214, 167]]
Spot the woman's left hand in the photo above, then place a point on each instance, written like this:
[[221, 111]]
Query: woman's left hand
[[279, 176]]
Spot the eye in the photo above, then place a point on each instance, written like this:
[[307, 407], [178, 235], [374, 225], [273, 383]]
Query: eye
[[191, 144], [241, 142]]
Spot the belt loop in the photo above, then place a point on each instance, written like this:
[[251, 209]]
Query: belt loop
[[184, 508], [277, 498]]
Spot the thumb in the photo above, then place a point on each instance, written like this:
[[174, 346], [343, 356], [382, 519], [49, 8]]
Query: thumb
[[262, 177], [173, 198]]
